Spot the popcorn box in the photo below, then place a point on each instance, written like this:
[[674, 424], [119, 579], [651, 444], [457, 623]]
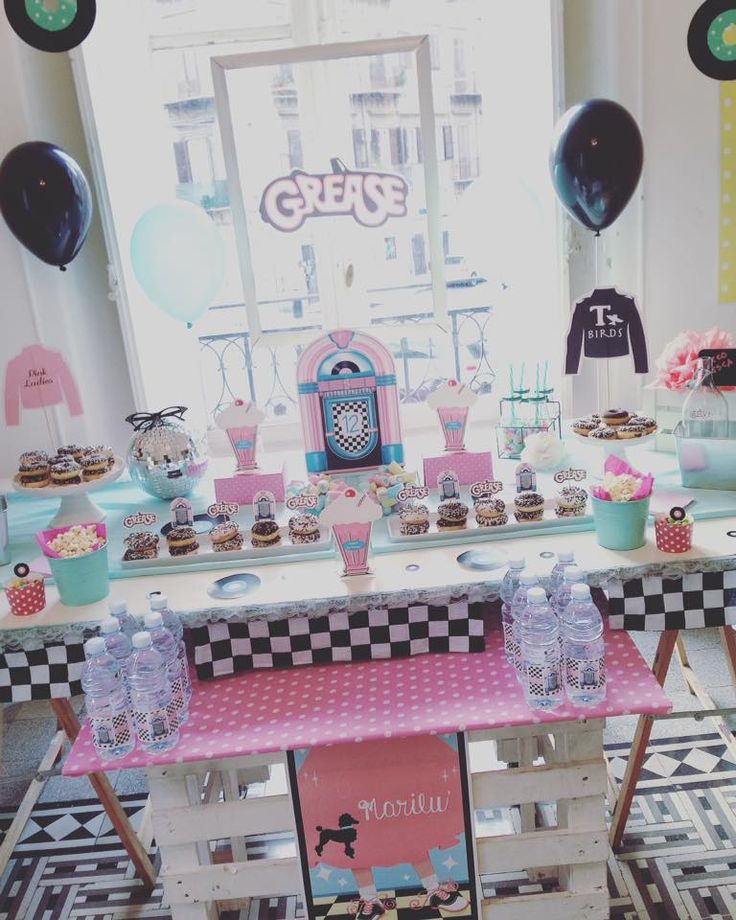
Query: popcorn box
[[469, 467], [243, 487]]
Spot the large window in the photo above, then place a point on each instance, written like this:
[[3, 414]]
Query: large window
[[155, 135]]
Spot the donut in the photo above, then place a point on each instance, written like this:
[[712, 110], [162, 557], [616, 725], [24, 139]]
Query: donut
[[529, 506], [603, 434], [182, 541], [66, 472], [414, 520], [453, 514], [71, 450], [34, 473], [571, 502], [265, 533], [33, 456], [584, 426], [304, 528], [142, 545], [93, 466], [632, 430], [226, 537], [490, 513], [649, 424], [616, 416]]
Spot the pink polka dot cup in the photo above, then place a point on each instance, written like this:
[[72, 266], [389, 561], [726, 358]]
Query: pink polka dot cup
[[27, 598], [673, 538]]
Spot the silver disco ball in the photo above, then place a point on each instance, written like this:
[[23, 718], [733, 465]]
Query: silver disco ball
[[164, 457]]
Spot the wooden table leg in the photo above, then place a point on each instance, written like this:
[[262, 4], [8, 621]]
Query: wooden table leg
[[110, 802], [728, 638], [662, 659]]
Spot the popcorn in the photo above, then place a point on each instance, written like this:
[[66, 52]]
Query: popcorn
[[621, 488], [622, 483], [77, 541]]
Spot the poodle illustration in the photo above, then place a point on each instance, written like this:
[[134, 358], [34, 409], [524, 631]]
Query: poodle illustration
[[345, 834]]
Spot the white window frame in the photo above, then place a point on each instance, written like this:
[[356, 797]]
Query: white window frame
[[419, 46]]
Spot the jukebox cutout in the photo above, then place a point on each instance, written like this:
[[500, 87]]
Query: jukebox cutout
[[349, 403]]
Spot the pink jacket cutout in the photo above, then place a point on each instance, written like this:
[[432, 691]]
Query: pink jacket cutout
[[36, 378]]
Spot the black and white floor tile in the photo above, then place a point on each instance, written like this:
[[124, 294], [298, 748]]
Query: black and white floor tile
[[678, 861]]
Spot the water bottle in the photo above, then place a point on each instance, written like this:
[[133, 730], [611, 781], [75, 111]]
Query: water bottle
[[154, 718], [167, 646], [583, 649], [541, 659], [509, 587], [160, 604], [117, 644], [527, 580], [128, 623], [572, 575], [106, 702], [555, 579]]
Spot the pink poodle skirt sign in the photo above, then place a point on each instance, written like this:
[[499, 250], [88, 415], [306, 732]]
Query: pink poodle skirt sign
[[385, 827]]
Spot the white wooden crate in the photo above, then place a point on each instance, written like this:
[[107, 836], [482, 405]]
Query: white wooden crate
[[194, 804]]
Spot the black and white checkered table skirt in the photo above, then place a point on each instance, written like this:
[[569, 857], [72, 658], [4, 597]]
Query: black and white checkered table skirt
[[397, 632], [51, 672], [654, 602]]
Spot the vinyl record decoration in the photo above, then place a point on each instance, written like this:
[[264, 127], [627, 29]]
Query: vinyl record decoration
[[51, 25], [711, 39]]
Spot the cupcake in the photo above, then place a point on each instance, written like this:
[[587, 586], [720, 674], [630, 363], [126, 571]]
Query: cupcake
[[93, 466], [674, 532], [615, 417], [491, 512], [453, 514], [604, 434], [265, 533], [414, 520], [226, 537], [66, 473], [34, 472], [529, 507], [571, 501], [143, 545], [632, 430], [584, 426], [182, 541], [304, 528], [71, 450]]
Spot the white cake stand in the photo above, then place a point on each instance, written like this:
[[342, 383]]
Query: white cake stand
[[76, 506], [616, 446]]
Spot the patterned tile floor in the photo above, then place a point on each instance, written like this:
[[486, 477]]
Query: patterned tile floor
[[678, 859]]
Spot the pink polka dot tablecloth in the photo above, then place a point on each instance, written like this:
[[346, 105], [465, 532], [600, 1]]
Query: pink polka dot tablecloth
[[275, 710]]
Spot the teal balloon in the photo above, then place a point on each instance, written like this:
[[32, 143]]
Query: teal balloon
[[178, 258]]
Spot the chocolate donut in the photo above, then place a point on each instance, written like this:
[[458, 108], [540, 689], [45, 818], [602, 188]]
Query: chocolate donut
[[34, 473], [66, 472], [489, 512], [142, 545], [584, 426], [414, 520], [604, 434], [529, 506], [453, 514], [571, 502], [616, 416], [265, 533], [304, 528], [182, 540]]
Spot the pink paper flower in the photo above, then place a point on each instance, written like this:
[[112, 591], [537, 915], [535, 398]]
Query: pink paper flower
[[677, 364]]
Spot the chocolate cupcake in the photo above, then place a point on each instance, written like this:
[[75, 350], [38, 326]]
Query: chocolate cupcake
[[142, 545], [93, 466], [182, 541], [304, 528], [66, 473], [571, 501], [265, 533], [452, 514], [490, 512], [529, 507], [33, 473], [414, 520], [226, 537]]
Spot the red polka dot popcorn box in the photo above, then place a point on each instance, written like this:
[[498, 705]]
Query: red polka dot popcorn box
[[26, 594], [674, 533]]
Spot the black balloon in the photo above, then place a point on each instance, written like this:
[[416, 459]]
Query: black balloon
[[46, 201], [596, 161]]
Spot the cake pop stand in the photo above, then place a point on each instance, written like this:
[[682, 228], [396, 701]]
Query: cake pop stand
[[616, 446], [76, 506]]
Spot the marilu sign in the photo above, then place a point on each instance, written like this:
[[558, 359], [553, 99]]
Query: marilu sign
[[370, 198]]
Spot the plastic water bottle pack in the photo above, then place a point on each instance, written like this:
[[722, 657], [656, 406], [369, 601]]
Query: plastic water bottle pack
[[583, 649], [564, 559], [154, 716], [160, 604], [106, 702], [509, 587], [128, 623], [527, 580], [541, 659], [167, 646]]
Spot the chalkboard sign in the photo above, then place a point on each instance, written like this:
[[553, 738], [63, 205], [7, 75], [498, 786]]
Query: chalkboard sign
[[724, 365]]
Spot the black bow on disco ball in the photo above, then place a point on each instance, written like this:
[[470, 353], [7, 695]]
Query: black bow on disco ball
[[144, 421]]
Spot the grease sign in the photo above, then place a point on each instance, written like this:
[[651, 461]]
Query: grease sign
[[570, 475], [145, 518], [370, 198]]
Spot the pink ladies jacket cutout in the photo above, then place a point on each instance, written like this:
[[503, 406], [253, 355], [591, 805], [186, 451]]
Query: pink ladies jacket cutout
[[36, 378]]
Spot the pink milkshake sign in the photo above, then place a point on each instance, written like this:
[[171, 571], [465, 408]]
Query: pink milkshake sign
[[385, 832], [452, 402], [351, 516], [240, 421]]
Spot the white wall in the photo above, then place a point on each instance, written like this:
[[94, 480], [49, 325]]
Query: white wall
[[664, 248], [69, 311]]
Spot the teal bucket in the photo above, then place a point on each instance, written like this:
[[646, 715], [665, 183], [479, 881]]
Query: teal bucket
[[83, 579], [621, 525]]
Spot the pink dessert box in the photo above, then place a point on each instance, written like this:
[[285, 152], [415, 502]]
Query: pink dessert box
[[242, 487], [469, 466]]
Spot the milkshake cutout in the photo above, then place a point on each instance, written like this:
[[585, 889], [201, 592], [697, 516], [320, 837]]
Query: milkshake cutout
[[351, 518], [240, 422], [452, 402]]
